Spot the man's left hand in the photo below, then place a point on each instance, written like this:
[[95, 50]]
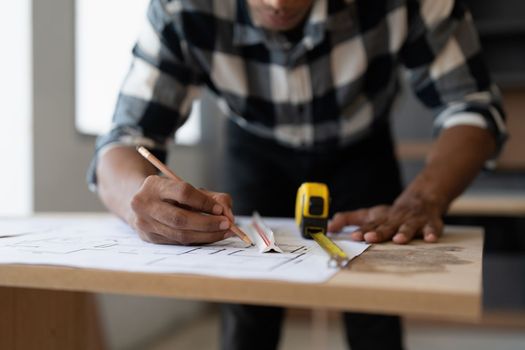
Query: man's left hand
[[400, 222]]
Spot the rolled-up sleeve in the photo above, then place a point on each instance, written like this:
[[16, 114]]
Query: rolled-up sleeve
[[156, 96], [443, 56]]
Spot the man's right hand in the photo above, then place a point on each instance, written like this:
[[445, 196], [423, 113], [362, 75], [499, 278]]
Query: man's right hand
[[161, 210], [170, 212]]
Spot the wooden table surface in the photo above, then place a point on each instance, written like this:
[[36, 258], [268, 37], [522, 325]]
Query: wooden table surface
[[440, 280], [490, 204]]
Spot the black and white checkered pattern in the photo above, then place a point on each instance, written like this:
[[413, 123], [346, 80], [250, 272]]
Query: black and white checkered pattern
[[328, 89]]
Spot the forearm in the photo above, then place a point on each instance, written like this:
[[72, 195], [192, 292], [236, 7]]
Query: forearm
[[455, 159], [120, 173]]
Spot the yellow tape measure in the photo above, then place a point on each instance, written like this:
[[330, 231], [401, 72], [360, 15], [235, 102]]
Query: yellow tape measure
[[311, 215], [338, 257]]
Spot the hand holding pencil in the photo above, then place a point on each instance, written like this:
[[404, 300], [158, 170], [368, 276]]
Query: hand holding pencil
[[195, 212]]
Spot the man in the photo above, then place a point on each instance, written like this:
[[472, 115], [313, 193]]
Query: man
[[308, 86]]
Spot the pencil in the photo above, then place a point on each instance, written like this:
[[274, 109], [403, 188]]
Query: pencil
[[169, 173]]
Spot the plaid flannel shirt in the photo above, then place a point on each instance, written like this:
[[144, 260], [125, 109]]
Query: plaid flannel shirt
[[328, 89]]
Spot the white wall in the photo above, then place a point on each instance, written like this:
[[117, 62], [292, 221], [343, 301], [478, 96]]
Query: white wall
[[15, 107]]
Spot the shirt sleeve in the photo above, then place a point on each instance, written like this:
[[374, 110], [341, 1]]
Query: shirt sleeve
[[442, 54], [156, 96]]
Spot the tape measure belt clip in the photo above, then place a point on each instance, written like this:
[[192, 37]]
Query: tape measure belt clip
[[316, 206]]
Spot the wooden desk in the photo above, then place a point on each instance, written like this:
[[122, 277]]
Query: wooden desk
[[489, 204], [440, 280]]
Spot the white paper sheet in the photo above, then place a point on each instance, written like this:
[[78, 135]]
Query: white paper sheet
[[262, 235], [106, 243]]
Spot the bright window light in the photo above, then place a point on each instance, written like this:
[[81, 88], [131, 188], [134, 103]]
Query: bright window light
[[105, 34], [16, 177]]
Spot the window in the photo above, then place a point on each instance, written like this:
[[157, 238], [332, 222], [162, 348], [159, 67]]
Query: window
[[105, 34], [16, 179]]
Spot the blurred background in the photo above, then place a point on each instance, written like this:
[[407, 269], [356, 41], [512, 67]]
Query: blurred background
[[61, 65]]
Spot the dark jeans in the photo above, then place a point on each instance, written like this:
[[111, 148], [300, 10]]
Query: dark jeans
[[265, 176]]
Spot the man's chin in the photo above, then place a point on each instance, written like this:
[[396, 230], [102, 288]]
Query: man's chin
[[280, 24]]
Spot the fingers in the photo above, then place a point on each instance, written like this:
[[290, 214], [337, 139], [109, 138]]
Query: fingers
[[380, 231], [170, 212], [368, 219], [156, 232], [183, 219], [396, 223], [432, 231], [407, 231], [185, 194], [343, 219], [357, 236], [225, 200]]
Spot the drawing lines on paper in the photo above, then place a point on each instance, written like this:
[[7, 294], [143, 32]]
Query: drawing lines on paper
[[111, 245], [228, 253], [233, 254]]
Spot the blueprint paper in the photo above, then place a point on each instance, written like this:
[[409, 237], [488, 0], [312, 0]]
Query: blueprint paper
[[109, 244]]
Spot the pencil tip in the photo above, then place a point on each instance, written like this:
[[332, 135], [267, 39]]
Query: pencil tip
[[247, 240]]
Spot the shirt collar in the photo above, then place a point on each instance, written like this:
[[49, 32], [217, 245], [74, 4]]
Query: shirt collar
[[246, 33]]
